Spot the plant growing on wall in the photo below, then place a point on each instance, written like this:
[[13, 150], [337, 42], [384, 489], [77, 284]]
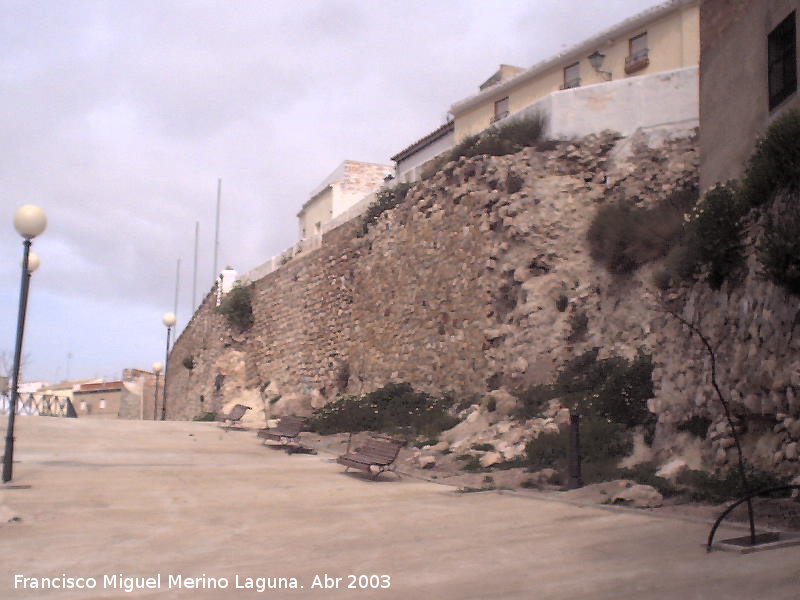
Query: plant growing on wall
[[238, 308], [189, 363], [386, 199]]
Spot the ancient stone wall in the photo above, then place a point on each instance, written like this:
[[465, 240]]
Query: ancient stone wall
[[460, 289]]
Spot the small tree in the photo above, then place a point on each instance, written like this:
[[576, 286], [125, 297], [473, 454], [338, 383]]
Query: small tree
[[238, 308]]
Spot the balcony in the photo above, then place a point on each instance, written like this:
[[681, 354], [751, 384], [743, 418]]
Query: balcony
[[572, 83], [637, 61]]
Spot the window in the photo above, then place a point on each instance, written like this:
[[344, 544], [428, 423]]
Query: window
[[638, 54], [102, 404], [500, 109], [782, 57], [317, 227], [572, 76]]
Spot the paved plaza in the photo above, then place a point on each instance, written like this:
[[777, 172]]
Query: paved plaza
[[177, 504]]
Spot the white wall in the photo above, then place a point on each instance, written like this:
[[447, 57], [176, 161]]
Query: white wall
[[408, 169], [667, 98]]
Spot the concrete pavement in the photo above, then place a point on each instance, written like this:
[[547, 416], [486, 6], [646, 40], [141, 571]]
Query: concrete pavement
[[188, 500]]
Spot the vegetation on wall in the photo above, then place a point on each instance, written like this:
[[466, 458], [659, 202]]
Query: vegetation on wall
[[394, 408], [238, 308], [386, 199], [624, 236], [779, 250], [775, 164], [611, 395], [189, 363], [498, 140]]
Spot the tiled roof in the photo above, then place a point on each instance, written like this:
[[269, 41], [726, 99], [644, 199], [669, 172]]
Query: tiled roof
[[424, 141]]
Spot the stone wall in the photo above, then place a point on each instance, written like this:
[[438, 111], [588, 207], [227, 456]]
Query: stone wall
[[456, 290]]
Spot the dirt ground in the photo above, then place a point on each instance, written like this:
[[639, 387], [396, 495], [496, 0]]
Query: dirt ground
[[177, 504]]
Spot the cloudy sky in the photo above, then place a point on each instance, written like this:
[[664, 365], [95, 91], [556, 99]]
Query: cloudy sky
[[118, 117]]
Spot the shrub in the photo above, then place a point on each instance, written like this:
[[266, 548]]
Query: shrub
[[188, 363], [483, 447], [386, 199], [514, 182], [237, 307], [394, 408], [562, 302], [779, 250], [579, 325], [600, 441], [696, 425], [499, 141], [720, 487], [206, 416], [613, 389], [714, 235], [624, 237], [775, 164]]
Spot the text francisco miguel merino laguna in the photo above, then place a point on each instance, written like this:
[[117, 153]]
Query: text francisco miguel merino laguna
[[125, 583]]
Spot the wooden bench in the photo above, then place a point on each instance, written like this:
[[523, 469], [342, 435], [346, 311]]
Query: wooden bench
[[286, 433], [376, 455], [234, 417]]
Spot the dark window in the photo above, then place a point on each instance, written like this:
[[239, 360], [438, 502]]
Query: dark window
[[572, 76], [638, 54], [500, 109], [782, 56]]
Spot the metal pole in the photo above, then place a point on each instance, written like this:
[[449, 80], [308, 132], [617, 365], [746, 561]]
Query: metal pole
[[177, 281], [155, 399], [575, 480], [216, 228], [8, 457], [194, 274], [166, 369]]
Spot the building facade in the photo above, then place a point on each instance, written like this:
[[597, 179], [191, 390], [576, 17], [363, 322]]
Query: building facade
[[662, 39], [409, 161], [748, 77], [98, 399], [346, 186]]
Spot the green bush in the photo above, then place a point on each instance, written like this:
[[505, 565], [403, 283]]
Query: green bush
[[623, 236], [775, 164], [394, 408], [386, 199], [206, 416], [189, 363], [696, 425], [779, 250], [501, 140], [579, 326], [721, 487], [237, 307], [614, 390], [714, 235], [600, 441]]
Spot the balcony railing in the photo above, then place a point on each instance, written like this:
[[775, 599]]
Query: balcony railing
[[637, 61], [572, 83]]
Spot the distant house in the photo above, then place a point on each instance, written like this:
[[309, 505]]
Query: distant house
[[101, 399], [748, 77], [409, 161], [660, 44], [339, 191]]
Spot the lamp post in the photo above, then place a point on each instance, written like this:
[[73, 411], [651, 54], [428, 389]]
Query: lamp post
[[29, 221], [157, 366], [169, 321]]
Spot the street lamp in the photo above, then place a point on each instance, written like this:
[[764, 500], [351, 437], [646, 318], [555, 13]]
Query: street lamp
[[29, 221], [157, 366], [169, 321]]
